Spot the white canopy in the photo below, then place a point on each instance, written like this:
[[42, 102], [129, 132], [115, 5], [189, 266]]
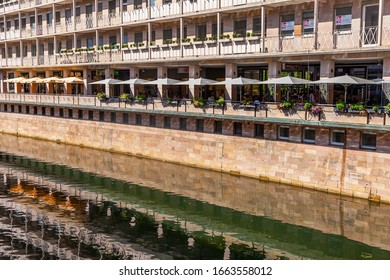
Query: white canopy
[[163, 81], [199, 82]]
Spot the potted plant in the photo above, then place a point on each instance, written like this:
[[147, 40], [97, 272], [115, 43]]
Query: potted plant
[[220, 102], [357, 107], [198, 102], [101, 96], [375, 108], [287, 104], [124, 97], [341, 106], [140, 97], [308, 105], [387, 108]]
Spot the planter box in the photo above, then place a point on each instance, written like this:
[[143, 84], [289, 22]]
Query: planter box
[[238, 39], [198, 43], [224, 40], [209, 42], [254, 38]]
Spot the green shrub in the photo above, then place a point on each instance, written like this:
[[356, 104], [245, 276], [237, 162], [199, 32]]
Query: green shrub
[[101, 95], [341, 105], [308, 105], [357, 107], [287, 104]]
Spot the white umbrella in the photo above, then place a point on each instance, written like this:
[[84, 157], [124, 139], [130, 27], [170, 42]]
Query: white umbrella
[[287, 80], [135, 81], [163, 81], [345, 80], [71, 80], [109, 81], [198, 82], [32, 80], [240, 81], [15, 80], [52, 80]]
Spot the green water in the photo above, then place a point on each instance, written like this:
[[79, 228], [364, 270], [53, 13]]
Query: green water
[[52, 211]]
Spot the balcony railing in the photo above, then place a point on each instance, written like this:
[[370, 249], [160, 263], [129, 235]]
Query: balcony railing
[[353, 40]]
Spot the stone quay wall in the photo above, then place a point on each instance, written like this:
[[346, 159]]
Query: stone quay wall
[[351, 172]]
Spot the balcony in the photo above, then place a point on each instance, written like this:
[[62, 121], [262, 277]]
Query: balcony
[[135, 15], [165, 10], [9, 7], [193, 7]]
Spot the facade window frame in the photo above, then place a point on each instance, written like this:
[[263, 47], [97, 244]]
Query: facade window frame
[[283, 132], [369, 144], [306, 137], [335, 134]]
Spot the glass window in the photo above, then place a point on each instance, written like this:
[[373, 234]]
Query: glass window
[[152, 120], [284, 133], [138, 119], [137, 4], [33, 50], [27, 109], [167, 34], [23, 23], [51, 48], [69, 44], [17, 51], [237, 128], [259, 130], [78, 12], [153, 36], [68, 15], [101, 116], [201, 32], [199, 125], [368, 140], [113, 117], [111, 7], [218, 127], [167, 122], [256, 29], [183, 124], [343, 19], [89, 42], [58, 17], [309, 135], [138, 37], [337, 137], [88, 10], [240, 27], [308, 22], [78, 43], [214, 29], [287, 25], [32, 22], [52, 112], [126, 118], [90, 115], [70, 113], [16, 24], [80, 114]]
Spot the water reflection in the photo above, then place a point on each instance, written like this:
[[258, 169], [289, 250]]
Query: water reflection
[[61, 202]]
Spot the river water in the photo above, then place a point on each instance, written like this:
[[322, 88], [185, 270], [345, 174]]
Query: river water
[[67, 202]]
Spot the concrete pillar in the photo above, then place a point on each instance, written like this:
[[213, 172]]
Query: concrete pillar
[[49, 86], [134, 73], [274, 69], [231, 73], [386, 76], [108, 73], [162, 72], [380, 22], [193, 73], [315, 29], [2, 84], [86, 80], [327, 71]]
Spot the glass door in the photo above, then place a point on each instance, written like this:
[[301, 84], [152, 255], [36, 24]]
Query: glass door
[[370, 24]]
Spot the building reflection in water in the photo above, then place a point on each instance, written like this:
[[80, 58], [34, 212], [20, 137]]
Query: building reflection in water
[[114, 206]]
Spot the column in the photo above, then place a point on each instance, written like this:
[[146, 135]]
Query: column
[[96, 14], [2, 84], [149, 9], [193, 73], [231, 73], [54, 19], [5, 27], [262, 29], [108, 73], [380, 22], [274, 69], [149, 39], [315, 29], [21, 52], [218, 31], [6, 53], [161, 73], [327, 71], [74, 14], [133, 75], [121, 11], [181, 35], [86, 81], [36, 21], [49, 86], [121, 41]]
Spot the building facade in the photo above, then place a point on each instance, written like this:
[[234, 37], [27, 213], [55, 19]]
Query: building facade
[[215, 39]]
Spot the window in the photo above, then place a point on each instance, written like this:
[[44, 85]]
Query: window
[[308, 22], [68, 15], [218, 127], [24, 23], [78, 43], [214, 29], [112, 40], [100, 8], [33, 50], [167, 122], [152, 120], [153, 36], [113, 117], [17, 51], [240, 27], [16, 24], [8, 25], [284, 133], [309, 135], [51, 48], [287, 25], [69, 44], [89, 42], [101, 116], [343, 19], [88, 11], [19, 108], [126, 118], [237, 129], [337, 137], [5, 108], [184, 33], [43, 111], [201, 32], [256, 29], [138, 119], [183, 124], [199, 125], [61, 112], [70, 113], [58, 17], [52, 112], [368, 140], [111, 7], [80, 114], [27, 109], [167, 34], [137, 4], [101, 41], [9, 52], [125, 38], [35, 110], [41, 49], [13, 108], [78, 12], [90, 115], [138, 37], [32, 22], [25, 51], [259, 130]]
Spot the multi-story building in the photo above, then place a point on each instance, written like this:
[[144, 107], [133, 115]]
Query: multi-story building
[[186, 39]]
